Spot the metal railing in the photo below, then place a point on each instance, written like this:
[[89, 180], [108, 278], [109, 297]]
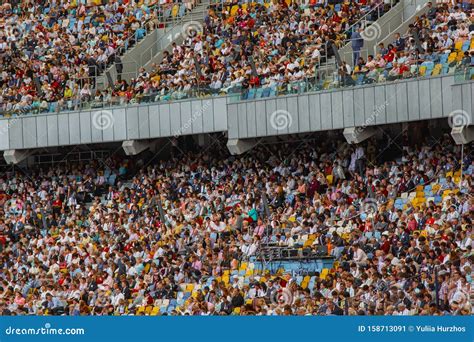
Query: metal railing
[[320, 82], [170, 34]]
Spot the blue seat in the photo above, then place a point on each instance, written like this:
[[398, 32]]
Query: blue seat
[[112, 179], [182, 10], [444, 58], [466, 45], [445, 69], [266, 92], [273, 91], [251, 94], [360, 80], [438, 199], [259, 93]]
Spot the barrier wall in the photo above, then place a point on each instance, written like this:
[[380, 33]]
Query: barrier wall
[[402, 101]]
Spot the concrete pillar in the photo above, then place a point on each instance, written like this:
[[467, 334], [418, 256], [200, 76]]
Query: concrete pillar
[[239, 146], [462, 134], [356, 135], [16, 156], [134, 147]]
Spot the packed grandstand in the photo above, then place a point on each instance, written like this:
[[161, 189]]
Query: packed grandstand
[[188, 232], [180, 236], [51, 57]]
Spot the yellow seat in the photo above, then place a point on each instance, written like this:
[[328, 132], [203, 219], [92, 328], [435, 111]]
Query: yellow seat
[[329, 178], [324, 273], [419, 188], [452, 57], [457, 173], [189, 288], [243, 266], [237, 311], [420, 194], [458, 45], [438, 67], [148, 309], [155, 311], [446, 192], [174, 11], [422, 70], [234, 10], [141, 309], [449, 174]]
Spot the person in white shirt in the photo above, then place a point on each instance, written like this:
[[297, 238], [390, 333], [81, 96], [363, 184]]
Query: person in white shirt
[[360, 257]]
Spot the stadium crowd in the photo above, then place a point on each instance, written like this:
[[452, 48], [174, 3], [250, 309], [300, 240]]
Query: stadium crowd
[[66, 48], [51, 56], [52, 51], [180, 236], [438, 42]]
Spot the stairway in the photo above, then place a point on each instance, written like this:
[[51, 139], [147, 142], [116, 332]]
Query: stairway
[[395, 20], [152, 45]]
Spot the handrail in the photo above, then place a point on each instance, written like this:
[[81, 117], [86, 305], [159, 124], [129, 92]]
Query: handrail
[[235, 94], [357, 23], [147, 55], [392, 29]]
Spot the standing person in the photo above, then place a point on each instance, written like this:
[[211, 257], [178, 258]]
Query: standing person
[[357, 43], [118, 67]]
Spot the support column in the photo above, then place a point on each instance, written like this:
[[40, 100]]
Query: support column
[[239, 146], [134, 147], [356, 135], [16, 156], [462, 134]]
